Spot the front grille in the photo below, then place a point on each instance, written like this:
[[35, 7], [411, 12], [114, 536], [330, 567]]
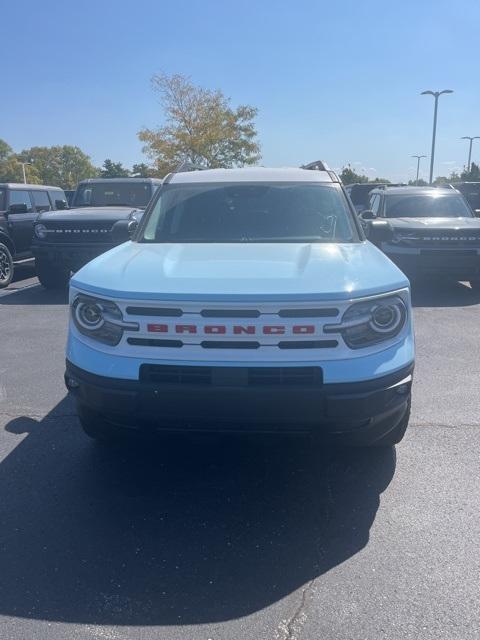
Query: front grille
[[202, 326], [442, 239], [308, 313], [153, 311], [172, 374], [79, 232], [231, 376], [308, 344]]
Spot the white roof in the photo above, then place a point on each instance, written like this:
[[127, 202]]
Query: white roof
[[21, 185], [252, 174]]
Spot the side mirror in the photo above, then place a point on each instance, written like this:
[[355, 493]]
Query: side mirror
[[367, 214], [61, 205], [123, 230], [18, 208], [379, 231]]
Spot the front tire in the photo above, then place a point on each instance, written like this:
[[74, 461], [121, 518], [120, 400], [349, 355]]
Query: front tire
[[6, 266], [51, 277]]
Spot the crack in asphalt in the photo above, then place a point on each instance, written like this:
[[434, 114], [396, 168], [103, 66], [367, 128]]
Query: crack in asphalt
[[291, 627]]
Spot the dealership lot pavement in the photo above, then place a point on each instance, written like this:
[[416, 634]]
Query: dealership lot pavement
[[238, 539]]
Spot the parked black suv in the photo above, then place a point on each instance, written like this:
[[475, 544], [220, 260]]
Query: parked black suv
[[66, 241], [430, 231], [20, 205], [471, 193]]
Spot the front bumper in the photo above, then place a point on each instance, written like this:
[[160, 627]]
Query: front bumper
[[71, 256], [461, 264], [367, 409]]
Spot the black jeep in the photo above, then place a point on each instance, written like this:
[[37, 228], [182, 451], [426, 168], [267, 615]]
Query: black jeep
[[65, 241], [20, 205]]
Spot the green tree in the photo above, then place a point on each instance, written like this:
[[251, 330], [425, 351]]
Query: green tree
[[142, 170], [5, 150], [473, 175], [61, 166], [11, 171], [348, 176], [200, 126], [113, 170], [420, 183]]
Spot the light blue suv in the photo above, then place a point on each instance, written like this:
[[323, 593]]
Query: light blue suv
[[246, 300]]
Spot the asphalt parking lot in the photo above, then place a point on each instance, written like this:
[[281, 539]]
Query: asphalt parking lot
[[230, 538]]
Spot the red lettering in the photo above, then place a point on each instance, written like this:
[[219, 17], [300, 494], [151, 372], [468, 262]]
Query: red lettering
[[157, 328], [185, 328], [273, 329], [303, 328], [238, 329], [215, 328]]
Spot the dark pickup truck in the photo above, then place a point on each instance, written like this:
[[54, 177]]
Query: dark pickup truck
[[65, 241]]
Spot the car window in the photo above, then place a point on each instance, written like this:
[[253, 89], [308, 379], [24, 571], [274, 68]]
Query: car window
[[251, 212], [3, 194], [104, 194], [41, 200], [375, 203], [21, 197], [432, 205], [58, 194]]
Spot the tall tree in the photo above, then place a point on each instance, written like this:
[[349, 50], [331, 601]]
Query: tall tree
[[61, 166], [200, 126], [142, 170], [5, 150], [473, 175], [11, 171], [348, 176], [113, 170]]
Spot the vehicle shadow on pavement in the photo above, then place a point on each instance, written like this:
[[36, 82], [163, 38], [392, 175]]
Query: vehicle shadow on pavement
[[443, 293], [183, 530], [35, 295]]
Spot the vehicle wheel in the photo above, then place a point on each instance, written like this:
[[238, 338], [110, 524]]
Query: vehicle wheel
[[94, 424], [51, 277], [6, 266]]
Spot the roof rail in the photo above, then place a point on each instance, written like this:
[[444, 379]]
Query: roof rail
[[187, 165], [184, 165], [317, 165]]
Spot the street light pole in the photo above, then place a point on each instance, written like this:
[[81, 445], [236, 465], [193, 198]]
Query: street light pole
[[418, 166], [436, 95], [24, 173], [471, 138]]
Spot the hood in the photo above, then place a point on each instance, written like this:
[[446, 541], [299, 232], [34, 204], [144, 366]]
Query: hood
[[435, 224], [105, 214], [240, 271]]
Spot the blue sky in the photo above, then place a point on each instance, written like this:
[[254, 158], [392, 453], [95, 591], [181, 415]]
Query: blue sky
[[337, 81]]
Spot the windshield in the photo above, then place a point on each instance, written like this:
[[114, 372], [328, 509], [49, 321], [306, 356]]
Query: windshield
[[426, 206], [2, 199], [114, 194], [250, 212]]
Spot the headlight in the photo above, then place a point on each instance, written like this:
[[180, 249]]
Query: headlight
[[370, 322], [100, 319], [41, 231]]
